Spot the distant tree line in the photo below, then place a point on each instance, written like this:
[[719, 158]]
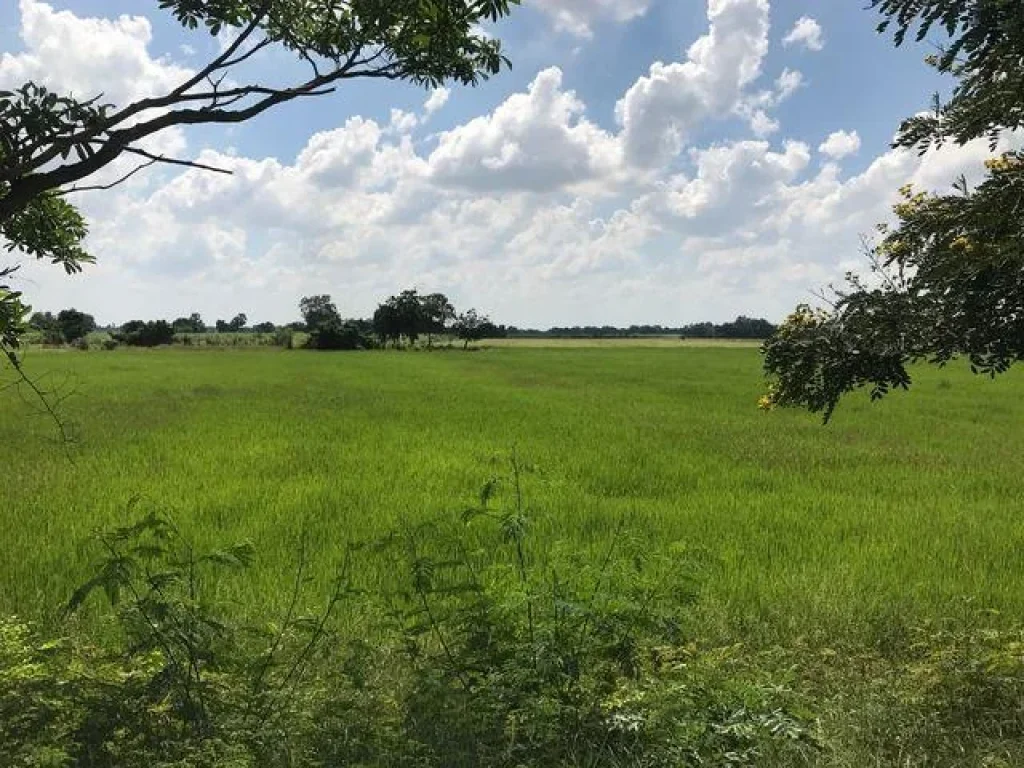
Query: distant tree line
[[741, 328], [406, 319]]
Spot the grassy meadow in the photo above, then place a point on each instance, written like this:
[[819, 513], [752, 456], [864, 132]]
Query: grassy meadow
[[898, 510]]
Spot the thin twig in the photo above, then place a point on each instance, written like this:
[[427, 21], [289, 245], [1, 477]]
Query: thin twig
[[98, 187], [175, 161]]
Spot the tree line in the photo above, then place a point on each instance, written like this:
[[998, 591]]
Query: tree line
[[406, 319]]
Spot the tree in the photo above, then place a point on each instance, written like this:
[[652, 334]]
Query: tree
[[318, 311], [238, 323], [139, 333], [471, 326], [75, 325], [50, 142], [948, 278], [402, 315], [327, 331], [191, 324], [264, 328], [438, 312]]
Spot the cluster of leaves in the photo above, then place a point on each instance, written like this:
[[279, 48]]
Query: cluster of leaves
[[411, 315], [948, 282], [949, 277], [986, 38], [141, 333], [328, 331], [185, 684]]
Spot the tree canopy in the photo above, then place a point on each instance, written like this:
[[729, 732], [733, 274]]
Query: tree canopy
[[948, 278], [49, 142]]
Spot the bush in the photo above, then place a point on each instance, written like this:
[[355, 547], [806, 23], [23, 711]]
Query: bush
[[146, 334], [110, 344], [81, 344], [339, 336]]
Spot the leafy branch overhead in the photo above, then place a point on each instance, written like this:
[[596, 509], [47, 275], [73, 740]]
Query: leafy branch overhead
[[49, 142], [948, 277]]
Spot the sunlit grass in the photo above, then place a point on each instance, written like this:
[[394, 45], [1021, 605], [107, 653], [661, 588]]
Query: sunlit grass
[[895, 510]]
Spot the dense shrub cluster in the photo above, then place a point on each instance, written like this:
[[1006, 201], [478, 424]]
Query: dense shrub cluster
[[139, 333]]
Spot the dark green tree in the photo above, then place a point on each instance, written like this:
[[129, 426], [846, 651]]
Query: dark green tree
[[948, 279], [191, 324], [51, 143], [139, 333], [318, 311], [238, 323], [75, 325], [471, 326], [402, 316], [438, 314]]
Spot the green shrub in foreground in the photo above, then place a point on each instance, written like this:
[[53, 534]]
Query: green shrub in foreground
[[480, 658]]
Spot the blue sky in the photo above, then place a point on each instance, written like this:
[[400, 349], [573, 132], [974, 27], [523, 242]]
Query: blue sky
[[588, 184]]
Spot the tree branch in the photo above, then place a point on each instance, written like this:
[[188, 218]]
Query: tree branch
[[111, 185], [174, 161]]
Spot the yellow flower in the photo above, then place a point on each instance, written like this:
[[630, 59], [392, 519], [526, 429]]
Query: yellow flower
[[766, 403], [961, 244]]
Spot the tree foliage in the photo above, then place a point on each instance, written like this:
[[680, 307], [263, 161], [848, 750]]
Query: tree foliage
[[471, 326], [139, 333], [75, 325], [948, 278], [49, 142]]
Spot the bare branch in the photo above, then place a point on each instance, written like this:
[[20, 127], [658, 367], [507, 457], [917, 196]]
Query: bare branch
[[175, 161], [111, 185]]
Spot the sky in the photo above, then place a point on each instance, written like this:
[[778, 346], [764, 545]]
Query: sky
[[643, 161]]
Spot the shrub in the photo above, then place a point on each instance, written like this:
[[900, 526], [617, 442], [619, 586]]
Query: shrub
[[81, 344], [138, 333], [339, 336], [110, 344]]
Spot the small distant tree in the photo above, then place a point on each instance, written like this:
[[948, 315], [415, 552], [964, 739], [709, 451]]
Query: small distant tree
[[75, 325], [327, 331], [318, 311], [191, 324], [437, 315], [404, 315], [471, 326], [264, 328], [238, 323], [223, 326]]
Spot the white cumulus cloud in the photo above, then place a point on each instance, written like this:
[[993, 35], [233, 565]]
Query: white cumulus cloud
[[660, 110], [806, 32], [577, 17], [840, 144]]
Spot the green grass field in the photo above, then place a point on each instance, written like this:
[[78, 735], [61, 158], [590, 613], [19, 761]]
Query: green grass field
[[894, 512]]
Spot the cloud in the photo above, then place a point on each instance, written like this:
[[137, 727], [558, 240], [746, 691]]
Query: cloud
[[533, 211], [87, 57], [438, 98], [806, 32], [661, 109], [840, 144], [538, 140], [578, 17]]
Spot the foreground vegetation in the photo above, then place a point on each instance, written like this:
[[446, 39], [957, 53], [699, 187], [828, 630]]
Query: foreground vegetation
[[848, 595]]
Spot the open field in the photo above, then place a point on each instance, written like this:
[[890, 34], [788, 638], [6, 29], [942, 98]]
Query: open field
[[895, 511]]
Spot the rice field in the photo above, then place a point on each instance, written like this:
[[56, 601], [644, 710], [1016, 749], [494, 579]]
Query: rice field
[[899, 511]]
